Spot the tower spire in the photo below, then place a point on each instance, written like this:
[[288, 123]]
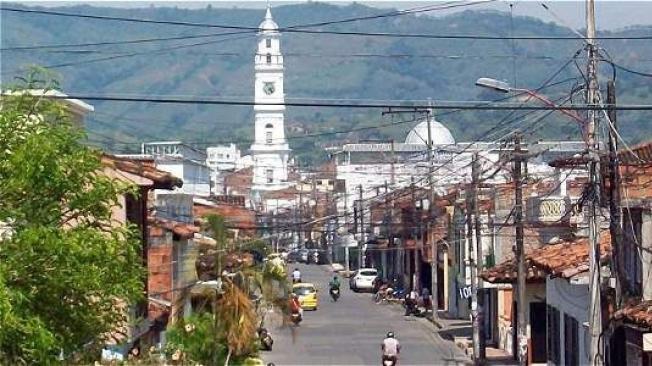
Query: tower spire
[[268, 13]]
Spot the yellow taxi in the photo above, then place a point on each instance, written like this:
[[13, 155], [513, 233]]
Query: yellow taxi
[[307, 294]]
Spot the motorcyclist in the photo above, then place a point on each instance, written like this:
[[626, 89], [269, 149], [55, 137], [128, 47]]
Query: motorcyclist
[[296, 276], [334, 283], [411, 302], [295, 306], [391, 348]]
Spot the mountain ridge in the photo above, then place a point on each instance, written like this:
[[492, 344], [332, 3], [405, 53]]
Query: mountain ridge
[[317, 66]]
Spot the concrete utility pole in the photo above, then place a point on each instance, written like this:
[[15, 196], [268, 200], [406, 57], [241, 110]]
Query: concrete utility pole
[[348, 233], [520, 251], [300, 223], [470, 199], [361, 230], [414, 228], [479, 264], [434, 273], [595, 307]]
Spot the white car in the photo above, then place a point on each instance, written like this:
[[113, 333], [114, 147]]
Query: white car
[[363, 279]]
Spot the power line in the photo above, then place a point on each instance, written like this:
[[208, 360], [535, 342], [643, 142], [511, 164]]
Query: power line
[[421, 9], [626, 69], [307, 31], [123, 55], [447, 105]]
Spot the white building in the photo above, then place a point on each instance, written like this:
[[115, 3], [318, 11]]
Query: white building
[[270, 149], [182, 161], [221, 158], [372, 165]]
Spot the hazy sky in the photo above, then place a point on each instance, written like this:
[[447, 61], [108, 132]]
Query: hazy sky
[[610, 14]]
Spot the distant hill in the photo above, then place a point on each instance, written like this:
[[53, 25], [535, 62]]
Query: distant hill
[[317, 67]]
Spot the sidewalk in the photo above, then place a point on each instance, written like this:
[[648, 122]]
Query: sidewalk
[[460, 331]]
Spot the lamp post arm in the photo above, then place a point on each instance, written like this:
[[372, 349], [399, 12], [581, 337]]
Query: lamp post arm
[[550, 103]]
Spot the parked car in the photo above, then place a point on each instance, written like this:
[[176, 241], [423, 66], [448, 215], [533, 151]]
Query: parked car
[[303, 255], [294, 256], [363, 279]]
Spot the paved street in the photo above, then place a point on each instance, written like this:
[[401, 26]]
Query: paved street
[[349, 332]]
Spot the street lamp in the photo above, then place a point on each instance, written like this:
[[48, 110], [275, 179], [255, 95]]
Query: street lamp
[[494, 84], [504, 87]]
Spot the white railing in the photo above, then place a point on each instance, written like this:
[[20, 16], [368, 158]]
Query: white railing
[[551, 209]]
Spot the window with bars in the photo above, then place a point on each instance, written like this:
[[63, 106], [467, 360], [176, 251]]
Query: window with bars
[[270, 175], [268, 43], [571, 341], [268, 137], [268, 58], [554, 332]]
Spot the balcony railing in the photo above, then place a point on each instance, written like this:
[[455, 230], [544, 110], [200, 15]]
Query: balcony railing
[[548, 210]]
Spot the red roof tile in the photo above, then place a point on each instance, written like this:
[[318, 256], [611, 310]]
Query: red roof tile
[[184, 230], [143, 168], [570, 258], [505, 272], [565, 260], [637, 312]]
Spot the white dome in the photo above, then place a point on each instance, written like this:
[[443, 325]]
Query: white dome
[[268, 25], [440, 134]]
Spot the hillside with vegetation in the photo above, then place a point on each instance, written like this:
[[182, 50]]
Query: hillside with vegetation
[[318, 67]]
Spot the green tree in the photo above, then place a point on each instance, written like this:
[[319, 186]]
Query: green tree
[[65, 265]]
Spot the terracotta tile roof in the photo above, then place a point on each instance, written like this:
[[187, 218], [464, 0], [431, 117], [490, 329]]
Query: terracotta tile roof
[[569, 258], [565, 260], [638, 312], [285, 193], [505, 272], [142, 168], [184, 230], [643, 151]]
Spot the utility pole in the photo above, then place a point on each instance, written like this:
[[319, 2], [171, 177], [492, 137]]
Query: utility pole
[[414, 230], [615, 217], [434, 260], [478, 325], [520, 251], [361, 229], [470, 193], [392, 171], [388, 227], [348, 233], [595, 308], [300, 223]]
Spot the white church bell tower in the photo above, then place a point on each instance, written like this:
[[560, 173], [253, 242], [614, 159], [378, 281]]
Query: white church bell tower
[[270, 150]]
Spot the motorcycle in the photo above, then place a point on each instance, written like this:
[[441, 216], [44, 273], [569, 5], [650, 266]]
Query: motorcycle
[[335, 293], [266, 341], [296, 318], [389, 360], [296, 280]]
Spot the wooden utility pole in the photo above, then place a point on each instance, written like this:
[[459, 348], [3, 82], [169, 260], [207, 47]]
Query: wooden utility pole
[[478, 325], [595, 308], [615, 216], [520, 252], [361, 229]]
